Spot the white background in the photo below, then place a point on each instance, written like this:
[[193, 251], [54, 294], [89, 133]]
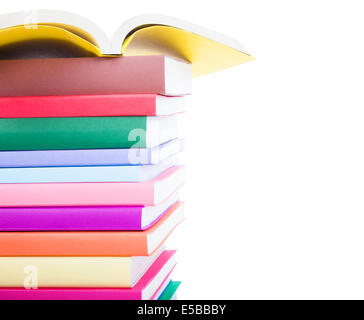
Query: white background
[[275, 148]]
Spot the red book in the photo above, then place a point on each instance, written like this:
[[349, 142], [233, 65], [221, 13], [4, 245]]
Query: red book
[[110, 105]]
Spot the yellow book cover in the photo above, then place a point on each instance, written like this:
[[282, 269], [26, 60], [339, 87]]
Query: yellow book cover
[[121, 272]]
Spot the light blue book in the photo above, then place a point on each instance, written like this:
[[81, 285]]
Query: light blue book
[[131, 173], [89, 157]]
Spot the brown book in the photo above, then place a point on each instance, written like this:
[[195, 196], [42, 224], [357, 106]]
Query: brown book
[[95, 75]]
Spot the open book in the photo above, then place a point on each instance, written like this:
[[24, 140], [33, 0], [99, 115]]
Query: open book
[[63, 34]]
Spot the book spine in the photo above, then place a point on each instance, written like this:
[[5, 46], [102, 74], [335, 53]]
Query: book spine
[[72, 133], [114, 105], [71, 218]]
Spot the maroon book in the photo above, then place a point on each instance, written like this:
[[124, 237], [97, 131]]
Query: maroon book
[[95, 75]]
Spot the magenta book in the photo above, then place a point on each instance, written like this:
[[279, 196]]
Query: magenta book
[[84, 218]]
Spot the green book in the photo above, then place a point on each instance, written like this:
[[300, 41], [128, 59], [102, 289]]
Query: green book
[[169, 292], [86, 132]]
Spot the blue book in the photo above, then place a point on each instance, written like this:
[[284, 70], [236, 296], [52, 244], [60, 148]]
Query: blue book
[[127, 173], [89, 157]]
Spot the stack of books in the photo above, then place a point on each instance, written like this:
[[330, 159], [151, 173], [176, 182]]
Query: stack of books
[[89, 175]]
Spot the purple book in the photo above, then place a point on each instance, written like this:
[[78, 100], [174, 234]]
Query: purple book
[[83, 218]]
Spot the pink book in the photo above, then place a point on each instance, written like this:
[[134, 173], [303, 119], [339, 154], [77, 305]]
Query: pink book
[[145, 289], [147, 193]]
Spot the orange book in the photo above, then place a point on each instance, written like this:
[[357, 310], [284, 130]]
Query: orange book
[[91, 243]]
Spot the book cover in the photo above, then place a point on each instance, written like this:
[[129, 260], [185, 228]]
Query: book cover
[[110, 105], [128, 173], [89, 157], [83, 272], [86, 132], [94, 75], [170, 290]]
